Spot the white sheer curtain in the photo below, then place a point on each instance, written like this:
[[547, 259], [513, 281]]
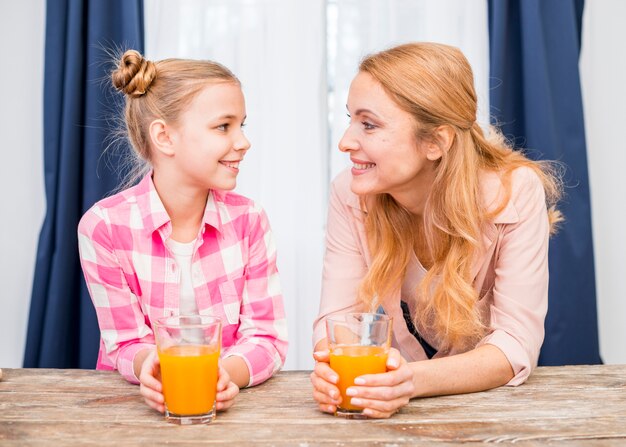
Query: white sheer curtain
[[281, 49], [277, 49]]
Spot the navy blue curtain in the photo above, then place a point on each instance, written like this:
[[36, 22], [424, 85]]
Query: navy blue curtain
[[536, 100], [79, 114]]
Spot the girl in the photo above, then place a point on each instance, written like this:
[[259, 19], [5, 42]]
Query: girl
[[440, 227], [178, 242]]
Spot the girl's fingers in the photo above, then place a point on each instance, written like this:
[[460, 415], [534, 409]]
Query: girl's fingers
[[228, 394], [223, 379]]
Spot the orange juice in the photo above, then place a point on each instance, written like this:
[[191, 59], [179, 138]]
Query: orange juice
[[189, 375], [350, 362]]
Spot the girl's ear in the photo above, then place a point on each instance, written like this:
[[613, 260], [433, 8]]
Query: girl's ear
[[442, 140], [161, 138]]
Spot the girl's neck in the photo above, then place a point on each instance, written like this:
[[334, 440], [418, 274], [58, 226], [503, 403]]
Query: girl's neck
[[185, 206]]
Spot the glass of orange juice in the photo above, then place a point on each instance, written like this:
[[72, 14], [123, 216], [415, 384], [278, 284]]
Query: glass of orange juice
[[189, 349], [359, 344]]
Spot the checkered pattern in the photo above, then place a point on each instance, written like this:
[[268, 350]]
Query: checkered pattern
[[133, 278]]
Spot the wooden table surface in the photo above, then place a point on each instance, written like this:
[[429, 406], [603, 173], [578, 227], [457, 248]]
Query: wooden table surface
[[565, 406]]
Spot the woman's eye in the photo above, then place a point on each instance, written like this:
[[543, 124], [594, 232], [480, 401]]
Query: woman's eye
[[223, 127], [368, 126]]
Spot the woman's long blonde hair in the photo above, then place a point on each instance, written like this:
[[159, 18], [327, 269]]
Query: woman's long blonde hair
[[434, 83]]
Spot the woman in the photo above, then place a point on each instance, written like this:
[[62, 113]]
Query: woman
[[442, 228]]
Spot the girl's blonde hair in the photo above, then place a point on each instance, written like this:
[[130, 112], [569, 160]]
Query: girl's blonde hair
[[159, 90], [434, 83]]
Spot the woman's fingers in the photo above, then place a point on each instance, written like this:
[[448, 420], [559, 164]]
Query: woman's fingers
[[391, 378], [325, 392]]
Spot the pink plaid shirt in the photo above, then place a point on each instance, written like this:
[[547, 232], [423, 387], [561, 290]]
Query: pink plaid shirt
[[133, 279]]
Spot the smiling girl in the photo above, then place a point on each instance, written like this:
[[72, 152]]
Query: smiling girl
[[178, 242], [439, 226]]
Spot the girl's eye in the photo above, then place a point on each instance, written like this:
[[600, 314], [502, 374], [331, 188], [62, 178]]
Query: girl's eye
[[223, 127]]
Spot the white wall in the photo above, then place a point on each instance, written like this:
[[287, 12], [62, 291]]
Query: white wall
[[21, 170], [603, 78], [21, 174]]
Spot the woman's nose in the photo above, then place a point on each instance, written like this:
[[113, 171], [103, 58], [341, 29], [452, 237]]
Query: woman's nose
[[348, 142]]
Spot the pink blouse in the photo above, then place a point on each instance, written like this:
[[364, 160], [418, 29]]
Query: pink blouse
[[510, 273]]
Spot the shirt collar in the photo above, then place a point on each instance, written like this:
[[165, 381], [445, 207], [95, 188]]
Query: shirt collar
[[155, 217]]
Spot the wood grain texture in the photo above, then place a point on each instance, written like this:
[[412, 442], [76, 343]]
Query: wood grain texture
[[565, 406]]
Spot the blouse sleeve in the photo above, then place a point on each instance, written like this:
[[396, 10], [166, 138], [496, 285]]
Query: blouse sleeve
[[520, 293], [123, 328], [344, 260], [262, 334]]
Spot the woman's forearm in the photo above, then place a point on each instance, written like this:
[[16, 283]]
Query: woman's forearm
[[480, 369]]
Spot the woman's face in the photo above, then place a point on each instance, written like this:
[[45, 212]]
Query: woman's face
[[382, 144]]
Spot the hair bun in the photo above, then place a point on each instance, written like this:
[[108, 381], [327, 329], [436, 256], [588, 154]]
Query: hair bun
[[134, 74]]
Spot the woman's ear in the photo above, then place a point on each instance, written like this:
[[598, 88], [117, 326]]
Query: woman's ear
[[161, 138], [443, 137]]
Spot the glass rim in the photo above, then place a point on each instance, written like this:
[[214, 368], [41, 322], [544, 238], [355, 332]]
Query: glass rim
[[207, 321]]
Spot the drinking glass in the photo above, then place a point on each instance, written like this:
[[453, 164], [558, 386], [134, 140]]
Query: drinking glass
[[189, 349], [359, 344]]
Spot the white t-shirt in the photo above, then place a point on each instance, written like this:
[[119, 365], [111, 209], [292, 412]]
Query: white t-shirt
[[182, 254]]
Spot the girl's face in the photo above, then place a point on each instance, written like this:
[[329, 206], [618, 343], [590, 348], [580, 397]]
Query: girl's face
[[382, 144], [208, 139]]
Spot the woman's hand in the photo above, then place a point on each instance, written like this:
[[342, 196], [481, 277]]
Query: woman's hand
[[380, 395], [324, 381], [226, 390], [152, 390]]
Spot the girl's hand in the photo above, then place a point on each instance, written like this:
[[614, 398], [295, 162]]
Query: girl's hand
[[324, 381], [150, 382], [382, 395], [152, 390], [226, 390]]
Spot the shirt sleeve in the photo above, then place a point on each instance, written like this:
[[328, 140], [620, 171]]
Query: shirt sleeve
[[262, 334], [123, 327], [520, 293], [344, 260]]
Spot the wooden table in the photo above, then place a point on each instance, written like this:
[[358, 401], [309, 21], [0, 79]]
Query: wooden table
[[565, 406]]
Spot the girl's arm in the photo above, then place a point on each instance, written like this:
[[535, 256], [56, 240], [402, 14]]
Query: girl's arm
[[261, 344], [123, 331]]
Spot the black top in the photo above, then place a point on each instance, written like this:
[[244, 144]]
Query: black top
[[430, 351]]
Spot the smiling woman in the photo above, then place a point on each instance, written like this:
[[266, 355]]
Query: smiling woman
[[180, 242], [439, 226]]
